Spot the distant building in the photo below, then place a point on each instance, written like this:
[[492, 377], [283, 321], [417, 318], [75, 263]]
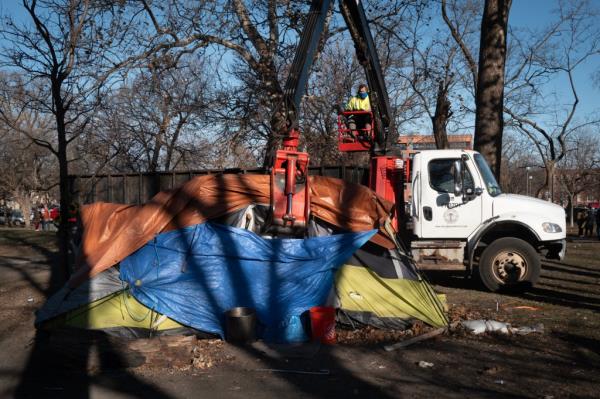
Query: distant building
[[417, 142]]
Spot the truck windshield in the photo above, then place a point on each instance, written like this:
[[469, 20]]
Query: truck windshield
[[488, 177]]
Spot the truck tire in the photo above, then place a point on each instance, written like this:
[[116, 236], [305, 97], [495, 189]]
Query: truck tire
[[509, 264]]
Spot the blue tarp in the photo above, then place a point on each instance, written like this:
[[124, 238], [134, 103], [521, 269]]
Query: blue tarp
[[193, 275]]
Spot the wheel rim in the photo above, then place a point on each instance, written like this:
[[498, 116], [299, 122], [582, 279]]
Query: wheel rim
[[509, 267]]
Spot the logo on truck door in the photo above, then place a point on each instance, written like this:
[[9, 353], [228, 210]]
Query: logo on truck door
[[451, 216]]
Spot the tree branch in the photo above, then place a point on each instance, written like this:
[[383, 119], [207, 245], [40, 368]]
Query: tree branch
[[466, 53]]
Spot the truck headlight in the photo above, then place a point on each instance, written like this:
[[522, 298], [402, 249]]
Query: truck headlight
[[551, 227]]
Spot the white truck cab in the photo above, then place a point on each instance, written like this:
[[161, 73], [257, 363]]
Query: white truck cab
[[462, 220]]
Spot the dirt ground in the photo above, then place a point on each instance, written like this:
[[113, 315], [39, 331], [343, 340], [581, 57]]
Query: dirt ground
[[561, 362]]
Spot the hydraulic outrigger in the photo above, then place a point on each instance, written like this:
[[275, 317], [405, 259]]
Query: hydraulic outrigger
[[290, 194]]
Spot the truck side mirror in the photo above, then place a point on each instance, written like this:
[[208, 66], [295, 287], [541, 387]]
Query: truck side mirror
[[458, 177]]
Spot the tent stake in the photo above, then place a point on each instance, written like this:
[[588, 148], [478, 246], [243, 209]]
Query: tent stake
[[422, 337]]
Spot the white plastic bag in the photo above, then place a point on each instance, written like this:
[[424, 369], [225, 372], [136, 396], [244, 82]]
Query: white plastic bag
[[481, 326]]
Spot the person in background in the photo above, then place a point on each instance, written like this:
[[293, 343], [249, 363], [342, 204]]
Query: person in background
[[360, 102], [589, 222], [46, 218], [581, 218], [37, 218], [9, 213], [598, 222]]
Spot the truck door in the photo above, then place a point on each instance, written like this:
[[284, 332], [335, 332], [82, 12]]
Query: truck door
[[442, 214]]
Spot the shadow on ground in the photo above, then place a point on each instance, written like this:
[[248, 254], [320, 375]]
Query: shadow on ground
[[61, 372], [572, 283]]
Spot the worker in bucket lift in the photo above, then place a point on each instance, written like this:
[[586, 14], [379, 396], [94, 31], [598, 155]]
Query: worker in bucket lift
[[360, 102]]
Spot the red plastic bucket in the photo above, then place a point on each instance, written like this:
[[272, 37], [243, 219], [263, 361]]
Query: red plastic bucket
[[322, 323]]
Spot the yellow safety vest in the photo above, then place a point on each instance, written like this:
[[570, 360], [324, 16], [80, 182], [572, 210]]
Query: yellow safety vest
[[358, 104]]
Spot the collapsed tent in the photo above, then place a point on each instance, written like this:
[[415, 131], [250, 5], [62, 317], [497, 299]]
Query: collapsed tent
[[192, 253], [381, 287], [197, 273]]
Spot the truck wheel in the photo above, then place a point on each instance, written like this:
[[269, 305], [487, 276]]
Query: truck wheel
[[509, 263]]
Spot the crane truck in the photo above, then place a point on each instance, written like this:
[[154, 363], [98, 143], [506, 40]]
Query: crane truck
[[456, 217]]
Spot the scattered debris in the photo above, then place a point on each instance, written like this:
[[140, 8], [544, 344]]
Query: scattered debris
[[408, 342], [366, 335], [422, 337], [208, 353], [523, 307], [481, 326], [516, 305], [423, 364], [538, 328], [202, 361], [461, 312], [491, 370]]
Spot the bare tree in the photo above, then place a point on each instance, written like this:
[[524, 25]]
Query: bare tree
[[489, 99], [55, 50], [252, 36], [553, 53], [487, 77], [535, 59], [518, 162], [162, 116], [432, 74], [255, 42], [26, 170], [579, 170], [461, 18]]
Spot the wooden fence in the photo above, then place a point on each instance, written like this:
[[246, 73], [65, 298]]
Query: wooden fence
[[137, 188]]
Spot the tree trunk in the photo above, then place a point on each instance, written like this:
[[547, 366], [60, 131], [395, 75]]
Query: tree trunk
[[570, 205], [440, 118], [489, 122], [548, 177], [61, 270], [171, 146]]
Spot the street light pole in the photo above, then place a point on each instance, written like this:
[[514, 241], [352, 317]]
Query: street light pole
[[527, 181]]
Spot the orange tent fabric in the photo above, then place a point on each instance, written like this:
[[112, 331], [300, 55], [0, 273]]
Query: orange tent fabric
[[111, 232]]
